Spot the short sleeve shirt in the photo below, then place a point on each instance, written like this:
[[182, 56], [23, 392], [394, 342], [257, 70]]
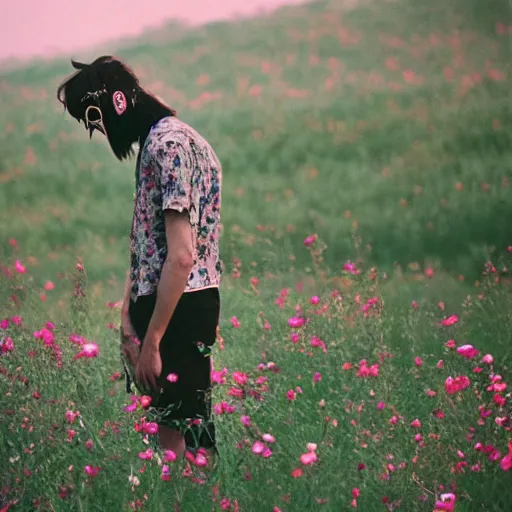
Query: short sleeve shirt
[[177, 169]]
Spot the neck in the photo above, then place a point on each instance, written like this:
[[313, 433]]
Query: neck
[[148, 111]]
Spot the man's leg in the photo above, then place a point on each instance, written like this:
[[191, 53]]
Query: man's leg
[[171, 439]]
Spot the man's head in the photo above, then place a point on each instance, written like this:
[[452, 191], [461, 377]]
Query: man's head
[[106, 96]]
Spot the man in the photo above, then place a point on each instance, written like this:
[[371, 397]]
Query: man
[[171, 301]]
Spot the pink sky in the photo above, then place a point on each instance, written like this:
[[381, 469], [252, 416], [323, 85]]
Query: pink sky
[[34, 28]]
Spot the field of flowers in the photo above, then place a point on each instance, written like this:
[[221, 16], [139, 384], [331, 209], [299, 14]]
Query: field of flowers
[[363, 355]]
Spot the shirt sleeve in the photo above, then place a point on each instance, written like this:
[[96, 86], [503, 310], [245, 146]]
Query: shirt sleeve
[[175, 168]]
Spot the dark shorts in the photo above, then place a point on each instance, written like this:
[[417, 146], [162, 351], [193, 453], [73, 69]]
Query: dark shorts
[[186, 404]]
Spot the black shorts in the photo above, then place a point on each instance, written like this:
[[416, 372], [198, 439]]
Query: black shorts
[[186, 404]]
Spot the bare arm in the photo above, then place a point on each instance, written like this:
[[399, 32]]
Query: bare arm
[[175, 273], [173, 280]]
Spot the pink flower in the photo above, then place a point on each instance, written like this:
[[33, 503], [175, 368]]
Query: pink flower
[[218, 377], [89, 444], [297, 473], [7, 345], [484, 413], [506, 462], [317, 342], [414, 304], [294, 337], [308, 458], [381, 405], [453, 385], [295, 322], [46, 335], [77, 339], [169, 456], [311, 447], [225, 504], [498, 387], [16, 320], [146, 455], [236, 392], [92, 470], [418, 361], [351, 268], [240, 378], [356, 493], [172, 377], [145, 401], [19, 267], [71, 416], [166, 473], [317, 377], [416, 423], [199, 459], [291, 395], [246, 421], [447, 502], [314, 300], [451, 320], [450, 344], [267, 452], [467, 351], [258, 447], [488, 359], [223, 407], [130, 407], [365, 371], [268, 438], [310, 240], [429, 272], [4, 324], [89, 350], [149, 428], [48, 286], [499, 400], [235, 323], [440, 364]]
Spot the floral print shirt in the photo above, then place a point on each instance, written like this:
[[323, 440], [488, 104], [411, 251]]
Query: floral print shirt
[[176, 169]]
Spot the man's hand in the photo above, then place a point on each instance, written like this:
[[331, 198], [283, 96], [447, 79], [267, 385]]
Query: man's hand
[[149, 366]]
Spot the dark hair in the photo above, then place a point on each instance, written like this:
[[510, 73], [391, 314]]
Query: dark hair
[[95, 84]]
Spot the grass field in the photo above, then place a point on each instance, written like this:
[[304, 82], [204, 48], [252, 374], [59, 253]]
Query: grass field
[[367, 160]]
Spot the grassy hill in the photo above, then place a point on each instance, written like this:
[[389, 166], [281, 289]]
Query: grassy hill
[[382, 126], [392, 119]]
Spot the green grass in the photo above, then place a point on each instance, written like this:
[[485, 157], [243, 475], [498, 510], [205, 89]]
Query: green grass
[[319, 131]]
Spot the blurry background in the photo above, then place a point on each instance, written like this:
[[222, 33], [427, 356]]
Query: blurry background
[[29, 28], [382, 126]]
